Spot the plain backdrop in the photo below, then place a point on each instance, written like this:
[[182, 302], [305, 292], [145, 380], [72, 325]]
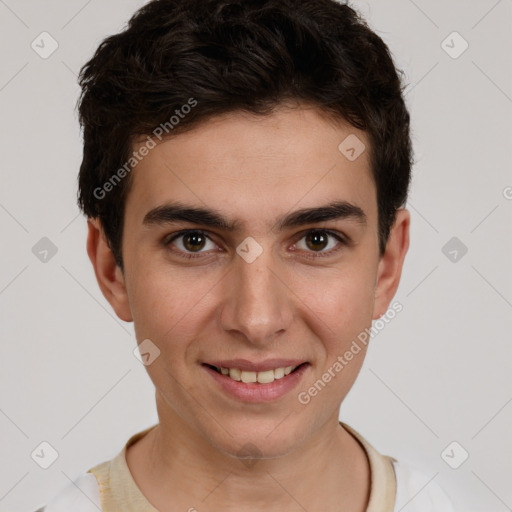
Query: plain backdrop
[[439, 373]]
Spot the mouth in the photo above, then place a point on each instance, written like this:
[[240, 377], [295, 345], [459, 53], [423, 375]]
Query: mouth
[[256, 381], [266, 376]]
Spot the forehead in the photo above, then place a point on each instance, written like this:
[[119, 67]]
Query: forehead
[[256, 167]]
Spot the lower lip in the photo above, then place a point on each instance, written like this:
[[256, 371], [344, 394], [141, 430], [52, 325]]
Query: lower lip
[[255, 392]]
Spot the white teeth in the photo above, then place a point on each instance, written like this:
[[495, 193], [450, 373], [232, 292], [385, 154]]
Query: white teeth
[[265, 377], [248, 376], [234, 373], [278, 373]]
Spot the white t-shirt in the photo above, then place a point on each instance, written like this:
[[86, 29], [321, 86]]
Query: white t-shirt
[[413, 488]]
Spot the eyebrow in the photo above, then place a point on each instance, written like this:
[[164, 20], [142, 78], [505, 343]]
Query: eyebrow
[[178, 212]]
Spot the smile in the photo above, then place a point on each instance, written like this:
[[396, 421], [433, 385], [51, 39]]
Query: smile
[[257, 382], [248, 377]]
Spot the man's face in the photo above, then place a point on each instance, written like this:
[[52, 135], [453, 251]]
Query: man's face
[[266, 290]]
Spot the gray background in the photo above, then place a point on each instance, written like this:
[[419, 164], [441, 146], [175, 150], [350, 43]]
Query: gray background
[[438, 373]]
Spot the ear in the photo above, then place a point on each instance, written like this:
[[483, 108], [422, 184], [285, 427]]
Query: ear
[[108, 274], [391, 263]]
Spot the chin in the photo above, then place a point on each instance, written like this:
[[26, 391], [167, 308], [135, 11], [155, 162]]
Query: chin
[[249, 451], [256, 442]]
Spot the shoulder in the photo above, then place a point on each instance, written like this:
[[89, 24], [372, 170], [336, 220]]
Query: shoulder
[[81, 495], [418, 491]]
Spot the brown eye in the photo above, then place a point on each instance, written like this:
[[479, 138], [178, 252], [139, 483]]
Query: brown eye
[[194, 241], [316, 241], [188, 243]]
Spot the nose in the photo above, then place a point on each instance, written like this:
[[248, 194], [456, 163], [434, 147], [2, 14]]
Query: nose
[[258, 302]]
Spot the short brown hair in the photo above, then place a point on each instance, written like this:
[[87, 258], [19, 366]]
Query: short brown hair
[[229, 55]]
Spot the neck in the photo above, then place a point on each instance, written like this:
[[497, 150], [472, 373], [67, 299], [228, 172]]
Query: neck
[[177, 468]]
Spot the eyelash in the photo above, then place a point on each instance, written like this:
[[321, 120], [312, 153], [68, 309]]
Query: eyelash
[[167, 242]]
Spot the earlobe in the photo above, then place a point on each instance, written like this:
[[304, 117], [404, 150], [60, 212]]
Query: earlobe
[[391, 263], [108, 274]]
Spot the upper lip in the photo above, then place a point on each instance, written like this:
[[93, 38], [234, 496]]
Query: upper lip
[[251, 366]]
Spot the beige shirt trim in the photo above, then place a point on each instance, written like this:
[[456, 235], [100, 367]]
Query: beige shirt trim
[[119, 491], [382, 475]]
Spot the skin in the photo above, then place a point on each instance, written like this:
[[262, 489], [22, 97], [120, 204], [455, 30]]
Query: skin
[[284, 304]]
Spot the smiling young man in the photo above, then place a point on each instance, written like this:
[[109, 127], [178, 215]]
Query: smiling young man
[[245, 168]]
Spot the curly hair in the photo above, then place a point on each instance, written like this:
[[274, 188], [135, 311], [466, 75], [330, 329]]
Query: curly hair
[[229, 55]]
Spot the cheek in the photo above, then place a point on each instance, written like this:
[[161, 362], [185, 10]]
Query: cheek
[[160, 294], [172, 308], [343, 301]]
